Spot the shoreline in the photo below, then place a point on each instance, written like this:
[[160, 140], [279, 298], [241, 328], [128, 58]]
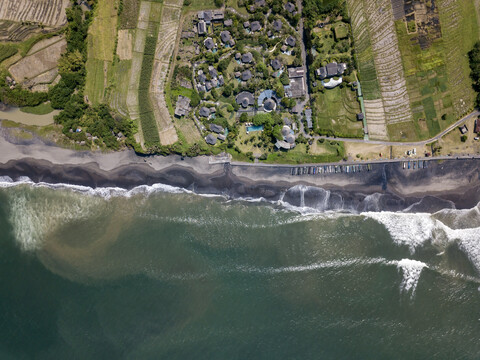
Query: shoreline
[[386, 187]]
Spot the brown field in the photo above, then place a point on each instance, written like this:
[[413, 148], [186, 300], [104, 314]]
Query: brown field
[[125, 45], [47, 12], [38, 63], [42, 44]]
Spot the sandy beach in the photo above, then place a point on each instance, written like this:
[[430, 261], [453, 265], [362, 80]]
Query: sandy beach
[[444, 184]]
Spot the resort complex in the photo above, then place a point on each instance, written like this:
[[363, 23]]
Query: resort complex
[[262, 80]]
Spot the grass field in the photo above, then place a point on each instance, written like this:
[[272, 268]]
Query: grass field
[[336, 111], [334, 151], [200, 5], [101, 48], [41, 109]]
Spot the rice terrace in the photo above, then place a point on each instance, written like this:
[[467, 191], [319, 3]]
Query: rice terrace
[[273, 81]]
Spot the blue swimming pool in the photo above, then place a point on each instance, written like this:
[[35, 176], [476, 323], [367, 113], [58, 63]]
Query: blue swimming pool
[[254, 128]]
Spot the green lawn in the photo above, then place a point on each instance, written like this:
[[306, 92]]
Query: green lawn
[[336, 111], [299, 155]]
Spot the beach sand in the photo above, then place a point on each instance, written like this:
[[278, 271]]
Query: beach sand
[[444, 184]]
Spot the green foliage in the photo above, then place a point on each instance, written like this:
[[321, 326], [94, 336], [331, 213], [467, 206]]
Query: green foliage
[[464, 138], [262, 119], [6, 51], [41, 109], [474, 57]]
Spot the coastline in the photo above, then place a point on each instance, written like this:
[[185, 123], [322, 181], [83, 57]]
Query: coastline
[[387, 187]]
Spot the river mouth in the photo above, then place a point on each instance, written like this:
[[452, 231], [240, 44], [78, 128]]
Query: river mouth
[[18, 116]]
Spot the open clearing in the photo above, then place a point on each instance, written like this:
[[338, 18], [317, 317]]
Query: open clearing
[[125, 45], [38, 63]]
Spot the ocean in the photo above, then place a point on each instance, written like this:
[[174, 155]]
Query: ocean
[[161, 273]]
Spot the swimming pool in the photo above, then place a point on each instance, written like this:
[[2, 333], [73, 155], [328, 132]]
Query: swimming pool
[[254, 128]]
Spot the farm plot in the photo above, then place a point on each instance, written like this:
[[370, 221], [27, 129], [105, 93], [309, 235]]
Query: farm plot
[[46, 12], [460, 31], [101, 48], [33, 65], [167, 35], [388, 61]]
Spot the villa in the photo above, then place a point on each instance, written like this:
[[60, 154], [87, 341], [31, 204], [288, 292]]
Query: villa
[[183, 106], [245, 99], [330, 70]]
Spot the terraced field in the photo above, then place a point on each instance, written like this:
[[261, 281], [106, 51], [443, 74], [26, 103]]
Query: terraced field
[[168, 32], [415, 82], [20, 19], [101, 48]]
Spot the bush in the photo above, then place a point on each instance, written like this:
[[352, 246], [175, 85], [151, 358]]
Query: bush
[[464, 138]]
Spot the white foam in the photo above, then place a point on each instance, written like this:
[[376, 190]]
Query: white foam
[[411, 269], [333, 264], [412, 230]]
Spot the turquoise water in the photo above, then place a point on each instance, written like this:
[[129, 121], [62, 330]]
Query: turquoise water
[[172, 275], [255, 128]]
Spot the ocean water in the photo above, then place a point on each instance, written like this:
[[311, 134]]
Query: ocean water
[[159, 273]]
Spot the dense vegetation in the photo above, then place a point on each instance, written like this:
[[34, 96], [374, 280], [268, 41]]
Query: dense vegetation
[[82, 123], [474, 57], [7, 51]]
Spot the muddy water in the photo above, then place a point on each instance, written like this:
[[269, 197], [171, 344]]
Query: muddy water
[[15, 114]]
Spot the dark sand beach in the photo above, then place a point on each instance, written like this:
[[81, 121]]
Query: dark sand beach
[[387, 186]]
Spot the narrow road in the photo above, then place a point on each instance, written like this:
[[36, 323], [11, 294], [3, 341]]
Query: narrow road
[[304, 62]]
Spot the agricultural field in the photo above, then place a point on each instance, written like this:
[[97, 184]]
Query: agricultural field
[[417, 51], [101, 50], [39, 67], [21, 19]]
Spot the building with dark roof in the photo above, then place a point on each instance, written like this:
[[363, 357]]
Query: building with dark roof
[[291, 41], [211, 139], [246, 24], [290, 7], [476, 128], [209, 43], [225, 36], [202, 78], [276, 64], [238, 56], [201, 27], [183, 106], [296, 72], [204, 112], [212, 71], [228, 22], [308, 118], [360, 116], [245, 99], [259, 3], [246, 75], [277, 25], [255, 26], [221, 137], [207, 16], [247, 58], [330, 70], [269, 105], [216, 128], [218, 15]]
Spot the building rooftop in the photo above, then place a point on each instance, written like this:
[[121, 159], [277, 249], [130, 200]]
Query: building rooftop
[[204, 112], [183, 106], [269, 105], [308, 118], [290, 7], [225, 36], [246, 75], [296, 72], [291, 41], [211, 139], [277, 25], [276, 64], [209, 43], [259, 3], [247, 58], [245, 99], [216, 128], [228, 22], [201, 27], [255, 26]]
